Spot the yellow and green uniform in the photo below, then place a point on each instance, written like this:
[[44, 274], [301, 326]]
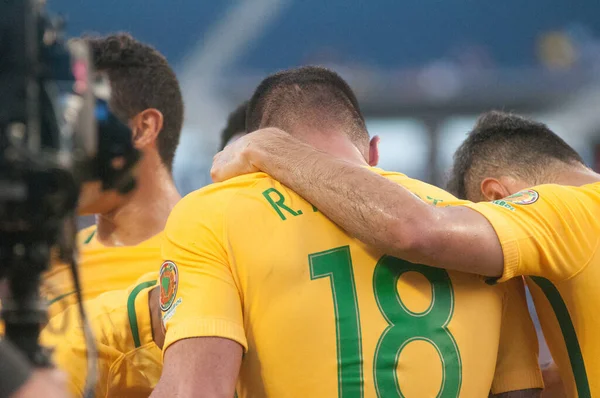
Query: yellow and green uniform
[[101, 269], [551, 233], [129, 362], [322, 315]]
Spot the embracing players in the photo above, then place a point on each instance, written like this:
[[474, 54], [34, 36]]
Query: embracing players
[[252, 267], [548, 228]]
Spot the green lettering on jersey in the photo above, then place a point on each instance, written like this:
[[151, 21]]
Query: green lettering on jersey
[[278, 204], [314, 208], [435, 201], [505, 204]]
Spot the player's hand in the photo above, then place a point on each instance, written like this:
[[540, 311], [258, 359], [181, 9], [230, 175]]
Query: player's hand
[[47, 383], [236, 159]]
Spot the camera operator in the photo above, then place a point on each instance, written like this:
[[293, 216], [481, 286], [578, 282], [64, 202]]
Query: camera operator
[[19, 380]]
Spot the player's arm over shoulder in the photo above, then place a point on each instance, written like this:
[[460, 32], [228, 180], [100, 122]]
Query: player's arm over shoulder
[[436, 230], [503, 238], [549, 230]]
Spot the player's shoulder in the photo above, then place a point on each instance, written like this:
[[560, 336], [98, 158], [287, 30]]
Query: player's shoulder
[[427, 192], [106, 314], [590, 191], [210, 203], [114, 316], [221, 193], [585, 196]]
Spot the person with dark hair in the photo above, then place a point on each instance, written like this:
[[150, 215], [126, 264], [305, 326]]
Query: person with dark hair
[[492, 163], [251, 266], [235, 127], [502, 144], [543, 220], [124, 243]]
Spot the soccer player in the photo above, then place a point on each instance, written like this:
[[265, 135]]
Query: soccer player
[[472, 178], [547, 228], [124, 243], [128, 333], [252, 267]]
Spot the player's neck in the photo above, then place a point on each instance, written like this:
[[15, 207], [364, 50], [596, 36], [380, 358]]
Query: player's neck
[[576, 176], [337, 145], [144, 214]]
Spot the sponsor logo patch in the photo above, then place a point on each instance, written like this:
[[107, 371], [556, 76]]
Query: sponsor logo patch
[[504, 204], [168, 278], [526, 197]]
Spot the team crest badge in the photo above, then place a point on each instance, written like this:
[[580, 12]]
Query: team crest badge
[[168, 279], [526, 197]]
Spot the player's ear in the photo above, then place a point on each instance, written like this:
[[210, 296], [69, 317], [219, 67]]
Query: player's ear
[[374, 151], [492, 189], [146, 126]]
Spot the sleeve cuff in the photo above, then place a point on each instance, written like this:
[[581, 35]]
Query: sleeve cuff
[[508, 242], [205, 327], [518, 379]]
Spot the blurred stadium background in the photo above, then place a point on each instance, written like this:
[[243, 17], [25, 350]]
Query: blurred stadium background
[[423, 70]]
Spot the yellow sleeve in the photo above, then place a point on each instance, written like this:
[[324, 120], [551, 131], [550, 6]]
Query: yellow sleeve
[[548, 231], [69, 352], [517, 365], [198, 293]]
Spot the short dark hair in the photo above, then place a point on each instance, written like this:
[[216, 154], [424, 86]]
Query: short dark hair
[[310, 94], [140, 78], [236, 123], [510, 144]]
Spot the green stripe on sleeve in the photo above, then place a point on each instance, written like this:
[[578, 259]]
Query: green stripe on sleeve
[[133, 324], [569, 335]]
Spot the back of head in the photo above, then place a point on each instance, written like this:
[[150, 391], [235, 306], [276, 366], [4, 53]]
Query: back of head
[[140, 79], [236, 125], [504, 144], [309, 97]]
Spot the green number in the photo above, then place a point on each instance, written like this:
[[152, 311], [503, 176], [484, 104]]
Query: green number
[[404, 325], [336, 264]]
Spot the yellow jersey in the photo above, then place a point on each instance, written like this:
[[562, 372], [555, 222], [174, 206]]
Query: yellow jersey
[[101, 269], [551, 233], [322, 315], [129, 362]]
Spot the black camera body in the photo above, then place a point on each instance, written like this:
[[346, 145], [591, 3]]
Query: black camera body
[[56, 133]]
